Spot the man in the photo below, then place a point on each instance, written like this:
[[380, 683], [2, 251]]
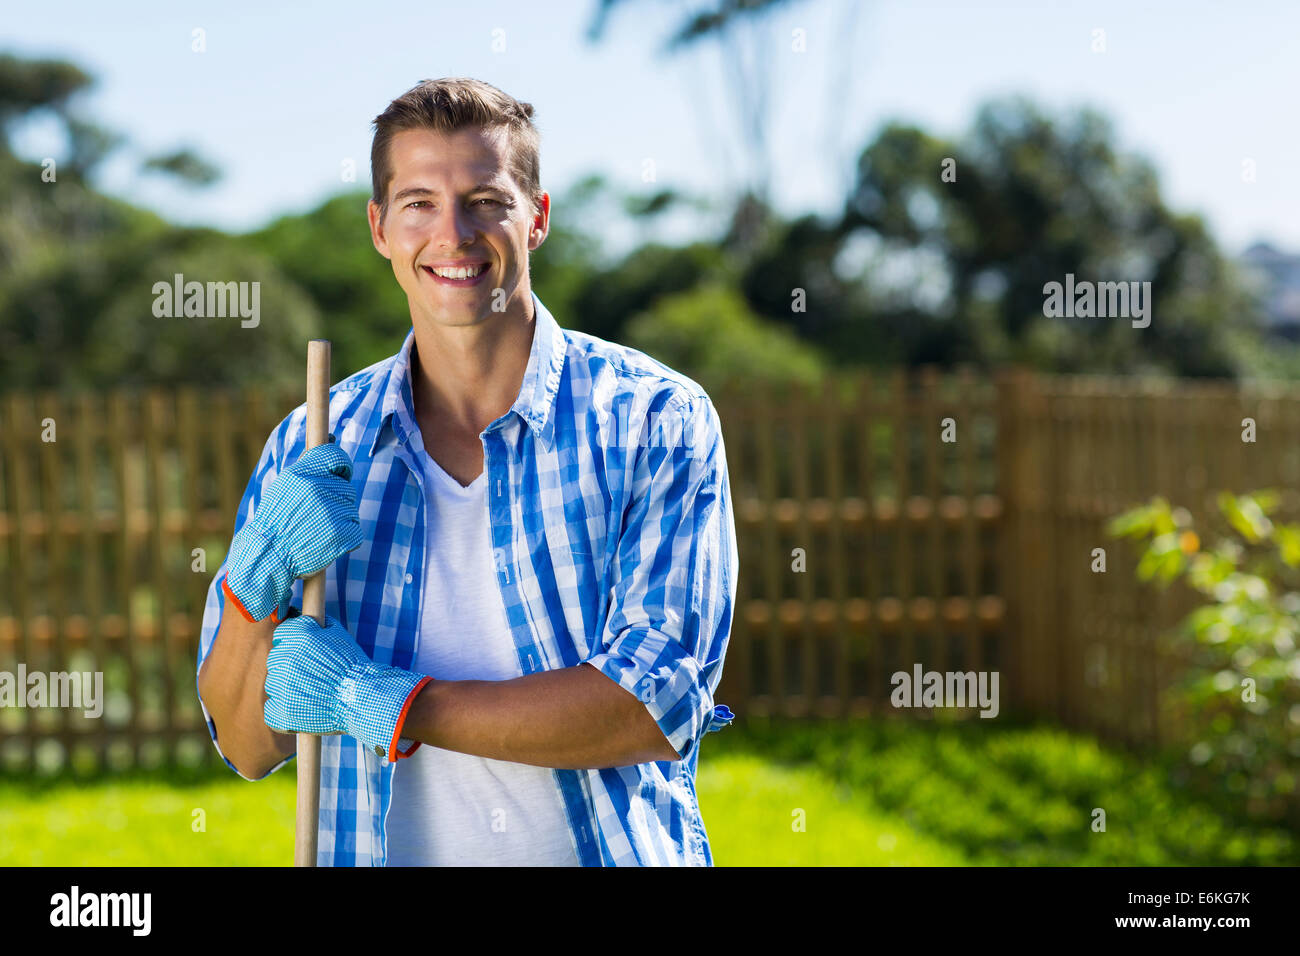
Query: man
[[529, 542]]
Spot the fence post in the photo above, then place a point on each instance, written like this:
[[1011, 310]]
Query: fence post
[[1012, 454]]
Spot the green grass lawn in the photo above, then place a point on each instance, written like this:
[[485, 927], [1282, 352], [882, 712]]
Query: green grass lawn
[[862, 793], [149, 821], [750, 805], [1018, 795]]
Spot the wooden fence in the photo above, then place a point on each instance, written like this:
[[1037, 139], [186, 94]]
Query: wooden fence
[[1088, 647], [109, 536], [866, 542], [882, 522], [973, 550]]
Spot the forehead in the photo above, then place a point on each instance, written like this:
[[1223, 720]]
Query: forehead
[[429, 158]]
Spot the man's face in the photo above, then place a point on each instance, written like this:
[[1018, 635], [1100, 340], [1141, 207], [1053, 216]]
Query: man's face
[[452, 204]]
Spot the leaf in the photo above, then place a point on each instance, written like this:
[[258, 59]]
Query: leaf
[[1163, 518], [1246, 517], [1267, 499], [1287, 537], [1135, 523], [1162, 559]]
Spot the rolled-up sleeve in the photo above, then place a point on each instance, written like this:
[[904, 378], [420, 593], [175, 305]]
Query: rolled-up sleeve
[[674, 574], [268, 467]]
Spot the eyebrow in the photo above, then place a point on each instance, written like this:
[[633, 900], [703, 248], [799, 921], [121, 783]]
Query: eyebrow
[[410, 191]]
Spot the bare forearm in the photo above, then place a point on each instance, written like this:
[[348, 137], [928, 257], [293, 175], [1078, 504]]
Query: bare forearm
[[573, 718], [232, 683]]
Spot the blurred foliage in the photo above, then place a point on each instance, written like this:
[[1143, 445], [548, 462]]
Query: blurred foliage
[[327, 253], [712, 331], [695, 25], [77, 272], [78, 268], [873, 792], [914, 269], [609, 297], [1015, 795], [1034, 199], [186, 165], [1239, 700], [27, 85]]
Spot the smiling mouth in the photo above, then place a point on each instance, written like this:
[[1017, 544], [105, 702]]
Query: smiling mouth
[[456, 273]]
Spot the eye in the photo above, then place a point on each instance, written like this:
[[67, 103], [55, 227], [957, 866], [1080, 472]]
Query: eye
[[418, 202], [493, 201]]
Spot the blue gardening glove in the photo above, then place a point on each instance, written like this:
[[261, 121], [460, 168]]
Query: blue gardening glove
[[320, 681], [305, 521]]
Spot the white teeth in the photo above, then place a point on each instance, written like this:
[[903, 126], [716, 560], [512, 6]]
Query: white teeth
[[460, 273]]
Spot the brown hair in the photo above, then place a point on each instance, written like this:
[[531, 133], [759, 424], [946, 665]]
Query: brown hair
[[451, 104]]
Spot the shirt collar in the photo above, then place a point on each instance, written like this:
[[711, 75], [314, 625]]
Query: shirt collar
[[536, 401]]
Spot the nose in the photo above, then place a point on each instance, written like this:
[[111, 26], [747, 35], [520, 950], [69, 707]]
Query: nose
[[451, 227]]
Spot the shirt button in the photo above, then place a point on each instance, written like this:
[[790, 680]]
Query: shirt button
[[409, 578], [379, 751]]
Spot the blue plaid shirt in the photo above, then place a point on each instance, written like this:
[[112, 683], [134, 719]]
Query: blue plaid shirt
[[614, 544]]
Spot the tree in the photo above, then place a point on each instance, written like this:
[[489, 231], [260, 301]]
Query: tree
[[27, 86], [740, 31], [1026, 201], [185, 165]]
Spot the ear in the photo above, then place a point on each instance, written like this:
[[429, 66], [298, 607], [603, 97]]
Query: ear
[[377, 229], [541, 223]]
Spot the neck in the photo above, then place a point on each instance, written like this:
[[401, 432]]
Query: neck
[[469, 376]]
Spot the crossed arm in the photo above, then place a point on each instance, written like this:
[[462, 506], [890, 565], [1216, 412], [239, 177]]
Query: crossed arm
[[575, 717], [571, 718]]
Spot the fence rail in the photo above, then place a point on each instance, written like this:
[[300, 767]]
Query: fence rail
[[882, 521]]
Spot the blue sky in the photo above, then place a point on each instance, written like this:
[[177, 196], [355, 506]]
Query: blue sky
[[285, 93]]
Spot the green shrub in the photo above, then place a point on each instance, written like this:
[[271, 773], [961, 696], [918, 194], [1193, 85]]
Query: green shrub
[[711, 335], [1239, 698]]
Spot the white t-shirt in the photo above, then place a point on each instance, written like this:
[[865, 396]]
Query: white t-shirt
[[449, 808]]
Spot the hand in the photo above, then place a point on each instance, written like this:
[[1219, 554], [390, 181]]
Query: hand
[[305, 521], [320, 681]]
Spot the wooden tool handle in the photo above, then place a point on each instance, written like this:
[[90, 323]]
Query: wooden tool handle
[[313, 604]]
